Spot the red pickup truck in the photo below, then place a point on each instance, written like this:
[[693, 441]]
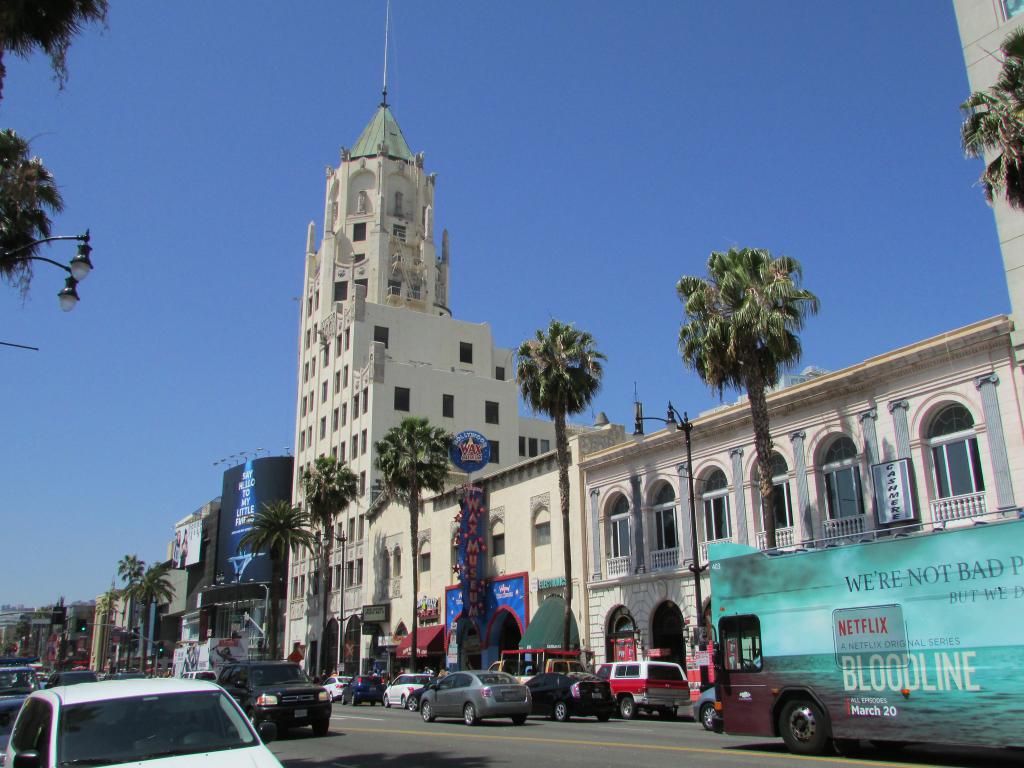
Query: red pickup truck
[[652, 686]]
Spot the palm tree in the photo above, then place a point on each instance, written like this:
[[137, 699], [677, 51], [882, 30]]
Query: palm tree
[[740, 330], [559, 373], [28, 26], [28, 195], [993, 124], [411, 458], [153, 586], [130, 569], [105, 607], [328, 488], [278, 528]]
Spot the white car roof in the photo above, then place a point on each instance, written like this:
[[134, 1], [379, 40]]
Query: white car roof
[[65, 695]]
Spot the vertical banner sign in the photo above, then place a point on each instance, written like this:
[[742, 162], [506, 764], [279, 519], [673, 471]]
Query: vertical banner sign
[[247, 487], [893, 500], [473, 552]]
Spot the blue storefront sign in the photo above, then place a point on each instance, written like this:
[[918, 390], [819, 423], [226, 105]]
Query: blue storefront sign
[[505, 596]]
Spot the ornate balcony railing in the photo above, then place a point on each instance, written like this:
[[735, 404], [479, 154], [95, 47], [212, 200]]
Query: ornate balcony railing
[[617, 566], [959, 507], [783, 538], [704, 547], [844, 526], [665, 559]]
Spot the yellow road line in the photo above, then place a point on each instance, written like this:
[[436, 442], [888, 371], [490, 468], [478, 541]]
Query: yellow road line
[[720, 751]]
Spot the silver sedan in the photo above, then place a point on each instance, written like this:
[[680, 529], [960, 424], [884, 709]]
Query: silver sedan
[[476, 695]]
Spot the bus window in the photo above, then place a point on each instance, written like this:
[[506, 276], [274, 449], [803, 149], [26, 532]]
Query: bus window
[[741, 643]]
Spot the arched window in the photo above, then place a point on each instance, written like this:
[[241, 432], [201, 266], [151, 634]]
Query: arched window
[[618, 529], [782, 504], [542, 539], [842, 480], [955, 453], [362, 202], [664, 511], [716, 507], [396, 562], [398, 204]]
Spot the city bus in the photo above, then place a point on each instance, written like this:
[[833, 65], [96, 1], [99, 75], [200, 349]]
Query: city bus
[[912, 637]]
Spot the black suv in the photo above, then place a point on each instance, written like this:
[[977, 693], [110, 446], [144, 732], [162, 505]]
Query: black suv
[[278, 691]]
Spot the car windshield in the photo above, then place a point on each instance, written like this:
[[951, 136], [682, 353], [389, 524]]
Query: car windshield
[[149, 727], [15, 681], [497, 678], [278, 673]]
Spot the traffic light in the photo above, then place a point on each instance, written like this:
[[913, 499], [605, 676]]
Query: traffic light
[[81, 625], [57, 616], [160, 649]]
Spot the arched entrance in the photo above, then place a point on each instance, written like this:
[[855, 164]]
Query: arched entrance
[[504, 635], [350, 652], [667, 634], [469, 645], [621, 636], [329, 663]]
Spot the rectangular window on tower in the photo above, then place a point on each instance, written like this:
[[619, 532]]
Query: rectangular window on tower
[[344, 413], [490, 412], [359, 232], [341, 290], [533, 447], [337, 382], [465, 352], [380, 333], [323, 392], [402, 399], [398, 230], [323, 427], [366, 398], [337, 346], [448, 406], [495, 453], [499, 373], [522, 446], [334, 421]]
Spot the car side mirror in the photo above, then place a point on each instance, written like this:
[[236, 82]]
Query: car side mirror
[[28, 758], [267, 731]]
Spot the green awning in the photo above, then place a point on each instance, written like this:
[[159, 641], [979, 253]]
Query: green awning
[[545, 629]]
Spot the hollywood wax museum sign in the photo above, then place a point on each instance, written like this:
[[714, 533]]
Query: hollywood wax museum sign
[[472, 551]]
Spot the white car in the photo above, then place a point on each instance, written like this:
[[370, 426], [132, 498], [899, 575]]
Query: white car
[[400, 688], [137, 722], [335, 685]]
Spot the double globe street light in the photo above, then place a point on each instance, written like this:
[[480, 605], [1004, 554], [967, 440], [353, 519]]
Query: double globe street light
[[78, 269]]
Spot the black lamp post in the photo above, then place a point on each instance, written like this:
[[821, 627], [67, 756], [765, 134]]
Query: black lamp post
[[343, 540], [78, 268], [686, 427]]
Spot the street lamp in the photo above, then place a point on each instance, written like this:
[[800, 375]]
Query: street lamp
[[341, 539], [78, 269], [686, 427]]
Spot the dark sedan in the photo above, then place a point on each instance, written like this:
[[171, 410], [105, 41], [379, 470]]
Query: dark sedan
[[572, 694]]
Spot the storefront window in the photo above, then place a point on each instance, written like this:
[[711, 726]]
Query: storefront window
[[716, 507]]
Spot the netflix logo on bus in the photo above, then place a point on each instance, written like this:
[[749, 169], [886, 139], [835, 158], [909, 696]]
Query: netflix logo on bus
[[246, 489]]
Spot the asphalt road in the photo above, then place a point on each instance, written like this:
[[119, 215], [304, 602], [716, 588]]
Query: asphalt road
[[372, 737]]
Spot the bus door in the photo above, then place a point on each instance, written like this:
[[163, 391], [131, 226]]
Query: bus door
[[743, 688]]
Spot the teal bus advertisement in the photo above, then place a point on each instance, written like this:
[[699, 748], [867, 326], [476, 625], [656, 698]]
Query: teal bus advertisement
[[911, 638]]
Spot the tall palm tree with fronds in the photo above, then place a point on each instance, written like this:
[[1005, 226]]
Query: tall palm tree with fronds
[[328, 488], [740, 330], [26, 27], [153, 587], [994, 126], [559, 373], [28, 196], [130, 569], [412, 458], [278, 528]]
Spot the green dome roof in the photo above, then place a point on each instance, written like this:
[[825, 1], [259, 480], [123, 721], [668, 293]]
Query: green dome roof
[[382, 129]]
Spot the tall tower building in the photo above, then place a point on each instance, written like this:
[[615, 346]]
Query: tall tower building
[[378, 343], [983, 25]]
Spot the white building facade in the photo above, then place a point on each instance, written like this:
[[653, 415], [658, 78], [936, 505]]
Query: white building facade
[[377, 343], [945, 409]]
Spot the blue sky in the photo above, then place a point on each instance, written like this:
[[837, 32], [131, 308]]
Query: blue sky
[[588, 154]]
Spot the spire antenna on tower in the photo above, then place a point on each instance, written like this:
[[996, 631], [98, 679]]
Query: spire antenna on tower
[[387, 25]]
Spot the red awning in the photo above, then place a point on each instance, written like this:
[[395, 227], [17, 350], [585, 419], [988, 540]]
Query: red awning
[[429, 642]]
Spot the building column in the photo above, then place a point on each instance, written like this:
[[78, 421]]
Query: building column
[[803, 497], [867, 425], [638, 526], [996, 439], [595, 535], [899, 409], [683, 530], [741, 502]]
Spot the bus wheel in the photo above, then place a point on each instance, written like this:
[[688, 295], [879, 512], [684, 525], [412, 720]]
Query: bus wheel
[[803, 728]]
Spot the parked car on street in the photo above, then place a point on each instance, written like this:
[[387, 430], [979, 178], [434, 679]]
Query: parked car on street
[[646, 686], [280, 692], [363, 688], [412, 701], [704, 709], [137, 722], [579, 694], [401, 687], [335, 685], [71, 678], [476, 695]]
